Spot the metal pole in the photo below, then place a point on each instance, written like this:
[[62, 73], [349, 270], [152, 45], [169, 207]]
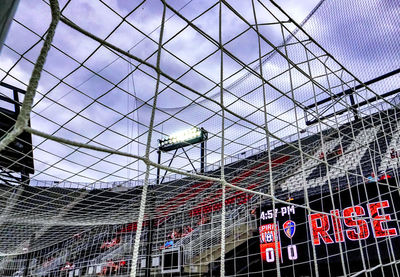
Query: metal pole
[[203, 150], [27, 265], [29, 256], [150, 240], [158, 169], [353, 108], [8, 8], [149, 249], [202, 156]]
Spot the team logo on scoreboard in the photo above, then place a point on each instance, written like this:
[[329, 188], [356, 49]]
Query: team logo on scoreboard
[[289, 227]]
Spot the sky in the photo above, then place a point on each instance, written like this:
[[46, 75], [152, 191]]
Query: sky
[[93, 95]]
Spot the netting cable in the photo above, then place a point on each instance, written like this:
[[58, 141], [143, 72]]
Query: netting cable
[[24, 115], [142, 207], [223, 211]]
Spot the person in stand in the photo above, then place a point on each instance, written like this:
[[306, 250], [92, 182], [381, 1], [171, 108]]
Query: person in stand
[[393, 153], [106, 270], [110, 267], [169, 244], [118, 267], [290, 198], [67, 266], [253, 213], [203, 220], [187, 230], [105, 245], [170, 240], [77, 236], [172, 235], [178, 233], [115, 241], [372, 178], [383, 176]]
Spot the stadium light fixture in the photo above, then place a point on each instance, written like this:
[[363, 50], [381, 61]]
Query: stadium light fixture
[[175, 141], [183, 138]]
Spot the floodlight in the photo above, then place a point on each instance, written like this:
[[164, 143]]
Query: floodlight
[[182, 138]]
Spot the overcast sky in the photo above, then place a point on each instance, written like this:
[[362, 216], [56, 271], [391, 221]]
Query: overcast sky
[[89, 94]]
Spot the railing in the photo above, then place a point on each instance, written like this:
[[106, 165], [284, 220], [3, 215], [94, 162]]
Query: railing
[[110, 253], [125, 244], [396, 100], [44, 270], [209, 239]]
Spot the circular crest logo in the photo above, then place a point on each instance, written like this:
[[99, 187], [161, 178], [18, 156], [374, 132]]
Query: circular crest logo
[[289, 227]]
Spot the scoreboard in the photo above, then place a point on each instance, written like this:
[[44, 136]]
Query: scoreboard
[[354, 229]]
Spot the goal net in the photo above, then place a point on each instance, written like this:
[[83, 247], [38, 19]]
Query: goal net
[[192, 138]]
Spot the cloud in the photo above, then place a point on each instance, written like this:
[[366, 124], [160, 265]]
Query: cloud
[[82, 92]]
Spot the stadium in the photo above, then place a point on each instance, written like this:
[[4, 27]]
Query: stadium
[[199, 138]]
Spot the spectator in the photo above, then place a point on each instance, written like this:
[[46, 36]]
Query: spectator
[[178, 233], [172, 235], [394, 154], [109, 244], [175, 234], [48, 262], [383, 176], [253, 213], [110, 268], [115, 241], [187, 230], [68, 266], [77, 236], [105, 245], [203, 220], [169, 244], [120, 266], [372, 178]]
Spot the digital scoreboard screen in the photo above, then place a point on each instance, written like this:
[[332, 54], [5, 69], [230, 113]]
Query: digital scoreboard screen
[[352, 230]]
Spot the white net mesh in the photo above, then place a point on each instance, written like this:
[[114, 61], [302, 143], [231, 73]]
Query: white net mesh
[[298, 173]]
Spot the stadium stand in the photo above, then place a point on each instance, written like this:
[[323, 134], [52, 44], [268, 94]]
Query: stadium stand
[[302, 135], [106, 249]]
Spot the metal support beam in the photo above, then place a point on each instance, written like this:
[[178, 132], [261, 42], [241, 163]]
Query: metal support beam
[[355, 106], [7, 11], [151, 203], [29, 255], [351, 90], [158, 169], [202, 156], [149, 249], [169, 164]]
